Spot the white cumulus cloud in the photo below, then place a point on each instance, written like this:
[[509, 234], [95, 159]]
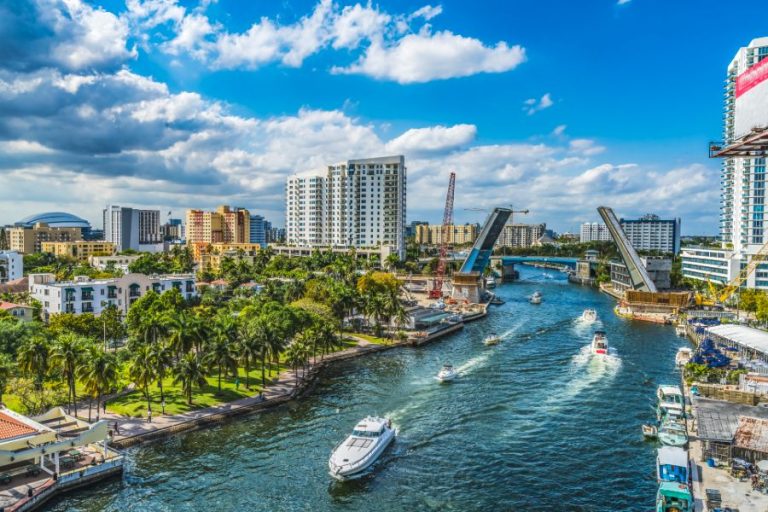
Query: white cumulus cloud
[[532, 105]]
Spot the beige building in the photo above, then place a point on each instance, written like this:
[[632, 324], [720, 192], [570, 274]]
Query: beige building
[[520, 235], [28, 240], [80, 250], [458, 234], [209, 256], [225, 225]]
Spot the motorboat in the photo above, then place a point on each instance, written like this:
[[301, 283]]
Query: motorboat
[[650, 431], [492, 339], [670, 412], [683, 356], [674, 497], [496, 300], [672, 464], [536, 298], [599, 343], [490, 282], [680, 330], [672, 434], [669, 394], [361, 449], [447, 373], [589, 315], [437, 305]]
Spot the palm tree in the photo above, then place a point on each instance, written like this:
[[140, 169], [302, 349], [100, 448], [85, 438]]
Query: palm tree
[[221, 355], [142, 371], [162, 358], [7, 368], [66, 354], [249, 346], [99, 373], [188, 372], [181, 333], [34, 358]]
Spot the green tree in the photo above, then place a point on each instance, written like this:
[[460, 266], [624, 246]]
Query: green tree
[[7, 369], [220, 354], [142, 371], [249, 346], [188, 372], [66, 354], [34, 359], [99, 373], [162, 358]]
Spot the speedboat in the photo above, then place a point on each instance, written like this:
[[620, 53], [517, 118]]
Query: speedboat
[[683, 356], [650, 431], [447, 373], [599, 344], [361, 449], [536, 298], [674, 497], [670, 412], [492, 339], [589, 315]]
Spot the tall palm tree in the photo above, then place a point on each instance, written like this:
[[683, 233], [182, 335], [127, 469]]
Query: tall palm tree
[[66, 354], [162, 358], [248, 346], [99, 373], [34, 358], [181, 332], [221, 355], [142, 371], [188, 372]]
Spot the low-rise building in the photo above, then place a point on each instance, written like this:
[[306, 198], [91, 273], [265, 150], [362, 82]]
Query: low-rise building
[[204, 253], [457, 234], [659, 269], [20, 311], [709, 264], [29, 239], [79, 250], [85, 295], [11, 266], [521, 235], [116, 261]]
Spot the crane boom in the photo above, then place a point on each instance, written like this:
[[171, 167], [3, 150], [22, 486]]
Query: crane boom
[[437, 287], [737, 281]]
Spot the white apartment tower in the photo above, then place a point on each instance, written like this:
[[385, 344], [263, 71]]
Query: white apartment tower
[[358, 203], [594, 232]]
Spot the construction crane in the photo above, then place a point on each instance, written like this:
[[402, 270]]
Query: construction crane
[[721, 296], [437, 286]]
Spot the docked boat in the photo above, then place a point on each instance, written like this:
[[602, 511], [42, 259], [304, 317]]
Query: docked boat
[[492, 339], [490, 282], [672, 464], [674, 497], [669, 394], [447, 373], [599, 343], [683, 356], [496, 300], [536, 298], [650, 431], [680, 330], [589, 316], [361, 449], [670, 412], [672, 434]]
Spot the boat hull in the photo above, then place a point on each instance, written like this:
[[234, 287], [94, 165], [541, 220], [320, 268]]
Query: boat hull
[[360, 470]]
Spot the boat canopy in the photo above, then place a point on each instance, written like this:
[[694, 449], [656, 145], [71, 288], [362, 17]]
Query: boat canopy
[[672, 456], [675, 490]]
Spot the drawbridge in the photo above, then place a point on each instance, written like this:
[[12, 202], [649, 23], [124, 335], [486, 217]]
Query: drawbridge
[[641, 281]]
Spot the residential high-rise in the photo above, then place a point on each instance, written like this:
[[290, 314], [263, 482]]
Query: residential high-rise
[[259, 228], [743, 223], [29, 239], [594, 232], [358, 203], [650, 233], [520, 235], [131, 228], [225, 225]]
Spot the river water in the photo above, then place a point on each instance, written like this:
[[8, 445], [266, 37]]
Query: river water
[[533, 423]]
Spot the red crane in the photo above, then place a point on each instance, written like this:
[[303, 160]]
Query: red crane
[[437, 288]]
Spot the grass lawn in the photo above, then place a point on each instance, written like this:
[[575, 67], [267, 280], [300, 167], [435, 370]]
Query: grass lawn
[[372, 339]]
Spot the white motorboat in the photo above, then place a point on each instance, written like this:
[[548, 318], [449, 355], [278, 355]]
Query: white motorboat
[[589, 316], [680, 330], [361, 449], [683, 356], [650, 431], [536, 298], [447, 373], [599, 343], [492, 339]]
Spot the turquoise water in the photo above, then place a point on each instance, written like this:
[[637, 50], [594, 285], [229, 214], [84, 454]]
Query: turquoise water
[[532, 424]]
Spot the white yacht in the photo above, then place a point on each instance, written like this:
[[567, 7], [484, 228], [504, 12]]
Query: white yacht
[[492, 339], [589, 316], [600, 343], [536, 298], [447, 373], [360, 450], [683, 356]]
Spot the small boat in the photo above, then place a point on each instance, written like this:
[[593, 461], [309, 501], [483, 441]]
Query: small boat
[[683, 356], [492, 339], [670, 412], [490, 282], [672, 464], [680, 330], [361, 449], [447, 373], [672, 434], [669, 394], [496, 300], [536, 298], [650, 431], [674, 497], [599, 344], [589, 315]]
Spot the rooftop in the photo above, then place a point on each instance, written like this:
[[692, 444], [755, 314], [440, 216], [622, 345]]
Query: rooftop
[[741, 334], [54, 220], [11, 305], [718, 420], [673, 455], [752, 434], [13, 425]]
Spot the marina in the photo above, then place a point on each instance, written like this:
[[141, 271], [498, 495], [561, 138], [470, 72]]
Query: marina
[[491, 421]]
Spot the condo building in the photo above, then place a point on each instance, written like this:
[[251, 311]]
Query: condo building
[[358, 203], [80, 250], [594, 232], [131, 228], [225, 225], [520, 235], [29, 239], [457, 234], [650, 233]]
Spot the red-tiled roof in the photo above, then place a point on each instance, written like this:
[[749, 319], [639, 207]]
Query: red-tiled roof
[[10, 427], [8, 305]]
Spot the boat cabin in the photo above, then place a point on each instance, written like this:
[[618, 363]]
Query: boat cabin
[[669, 395], [670, 412], [674, 497], [672, 464], [369, 427]]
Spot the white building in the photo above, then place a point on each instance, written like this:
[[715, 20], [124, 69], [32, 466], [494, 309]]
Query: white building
[[11, 266], [594, 232], [742, 191], [358, 203], [129, 228], [650, 233], [85, 295], [520, 235]]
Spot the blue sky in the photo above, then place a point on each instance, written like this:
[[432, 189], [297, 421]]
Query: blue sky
[[555, 106]]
